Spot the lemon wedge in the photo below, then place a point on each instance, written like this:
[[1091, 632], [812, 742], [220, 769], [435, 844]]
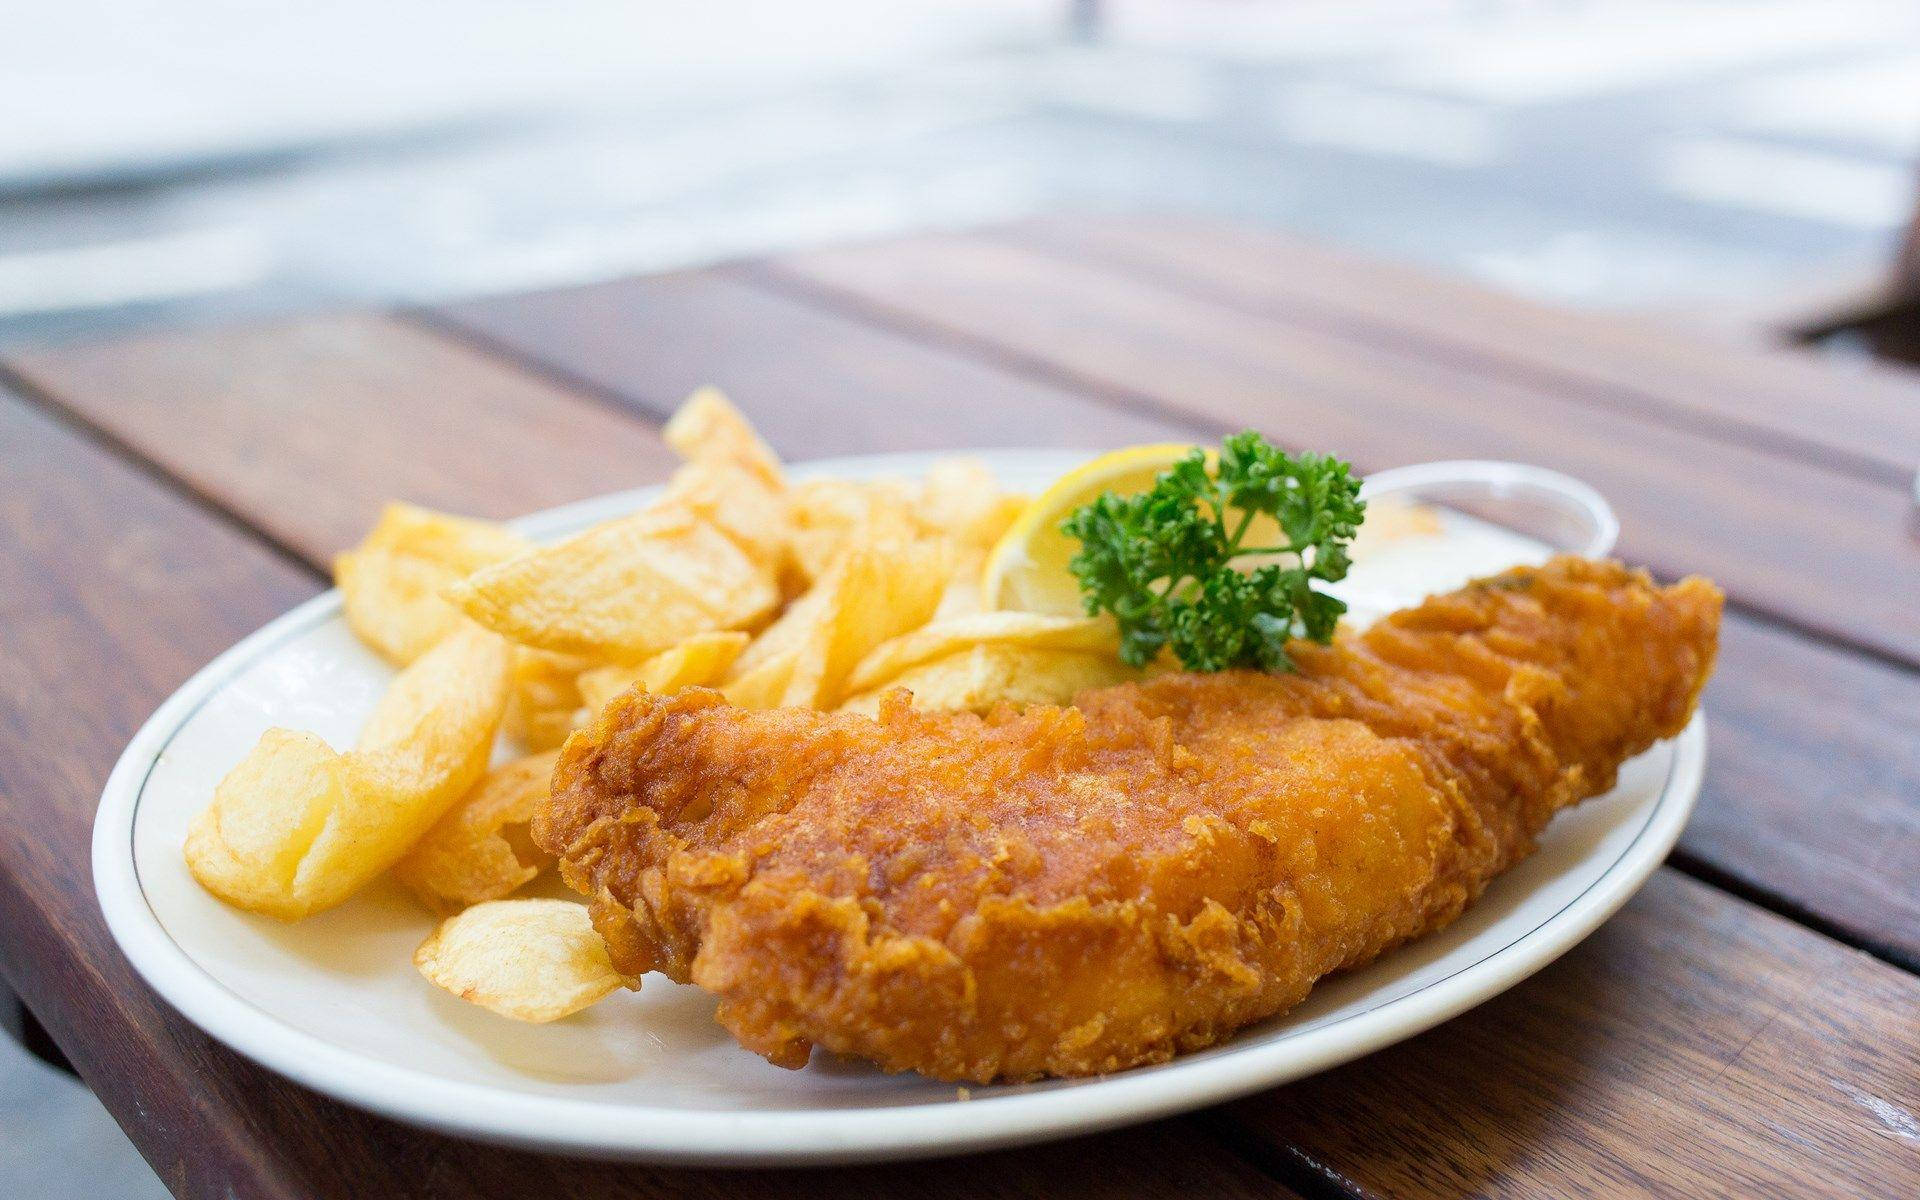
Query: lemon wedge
[[1027, 569]]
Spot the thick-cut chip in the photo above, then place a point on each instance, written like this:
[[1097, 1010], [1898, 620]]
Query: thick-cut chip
[[246, 846], [392, 601], [732, 479], [984, 676], [693, 663], [296, 828], [426, 743], [961, 499], [696, 662], [875, 592], [740, 504], [763, 687], [707, 428], [963, 597], [480, 850], [781, 640], [958, 500], [887, 581], [821, 515], [431, 712], [390, 583], [941, 639], [464, 543], [532, 960], [543, 697], [828, 516], [622, 590]]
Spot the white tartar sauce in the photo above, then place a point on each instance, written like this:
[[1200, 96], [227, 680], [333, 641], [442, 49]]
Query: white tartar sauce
[[1420, 559]]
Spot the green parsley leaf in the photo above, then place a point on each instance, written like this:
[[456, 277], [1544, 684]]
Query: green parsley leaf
[[1162, 562]]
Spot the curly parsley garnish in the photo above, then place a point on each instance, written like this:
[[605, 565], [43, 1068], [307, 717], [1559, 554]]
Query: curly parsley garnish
[[1161, 562]]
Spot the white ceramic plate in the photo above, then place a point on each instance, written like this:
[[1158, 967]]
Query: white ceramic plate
[[334, 1002]]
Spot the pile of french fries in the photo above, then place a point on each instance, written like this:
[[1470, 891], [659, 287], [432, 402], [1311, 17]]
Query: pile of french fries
[[824, 594]]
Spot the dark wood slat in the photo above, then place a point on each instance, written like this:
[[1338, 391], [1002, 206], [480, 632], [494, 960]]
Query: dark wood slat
[[117, 590], [1624, 1070], [1827, 550], [1867, 419], [1778, 816], [113, 594], [310, 427], [816, 383], [1813, 792]]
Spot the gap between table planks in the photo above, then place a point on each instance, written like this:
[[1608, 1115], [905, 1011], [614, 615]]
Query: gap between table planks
[[1780, 974], [1812, 799], [1689, 501], [122, 588]]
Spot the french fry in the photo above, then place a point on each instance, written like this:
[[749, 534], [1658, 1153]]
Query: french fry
[[961, 499], [741, 505], [783, 638], [707, 428], [463, 543], [392, 601], [875, 591], [622, 590], [479, 849], [391, 582], [297, 828], [543, 697], [941, 639], [985, 675], [247, 846], [696, 662], [531, 960], [827, 516]]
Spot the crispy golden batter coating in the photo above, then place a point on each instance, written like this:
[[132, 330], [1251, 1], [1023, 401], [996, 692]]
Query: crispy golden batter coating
[[1067, 891]]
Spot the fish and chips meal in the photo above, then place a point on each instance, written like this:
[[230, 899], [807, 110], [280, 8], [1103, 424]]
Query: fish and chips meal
[[940, 777]]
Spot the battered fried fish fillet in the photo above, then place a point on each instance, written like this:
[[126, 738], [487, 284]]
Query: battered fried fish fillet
[[1068, 891]]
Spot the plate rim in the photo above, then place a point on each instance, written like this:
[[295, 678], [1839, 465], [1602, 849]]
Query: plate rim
[[681, 1136]]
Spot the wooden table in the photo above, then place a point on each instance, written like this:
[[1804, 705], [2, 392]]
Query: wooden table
[[1748, 1025]]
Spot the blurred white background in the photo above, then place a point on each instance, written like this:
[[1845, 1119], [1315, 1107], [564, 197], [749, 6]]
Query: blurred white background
[[214, 158]]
